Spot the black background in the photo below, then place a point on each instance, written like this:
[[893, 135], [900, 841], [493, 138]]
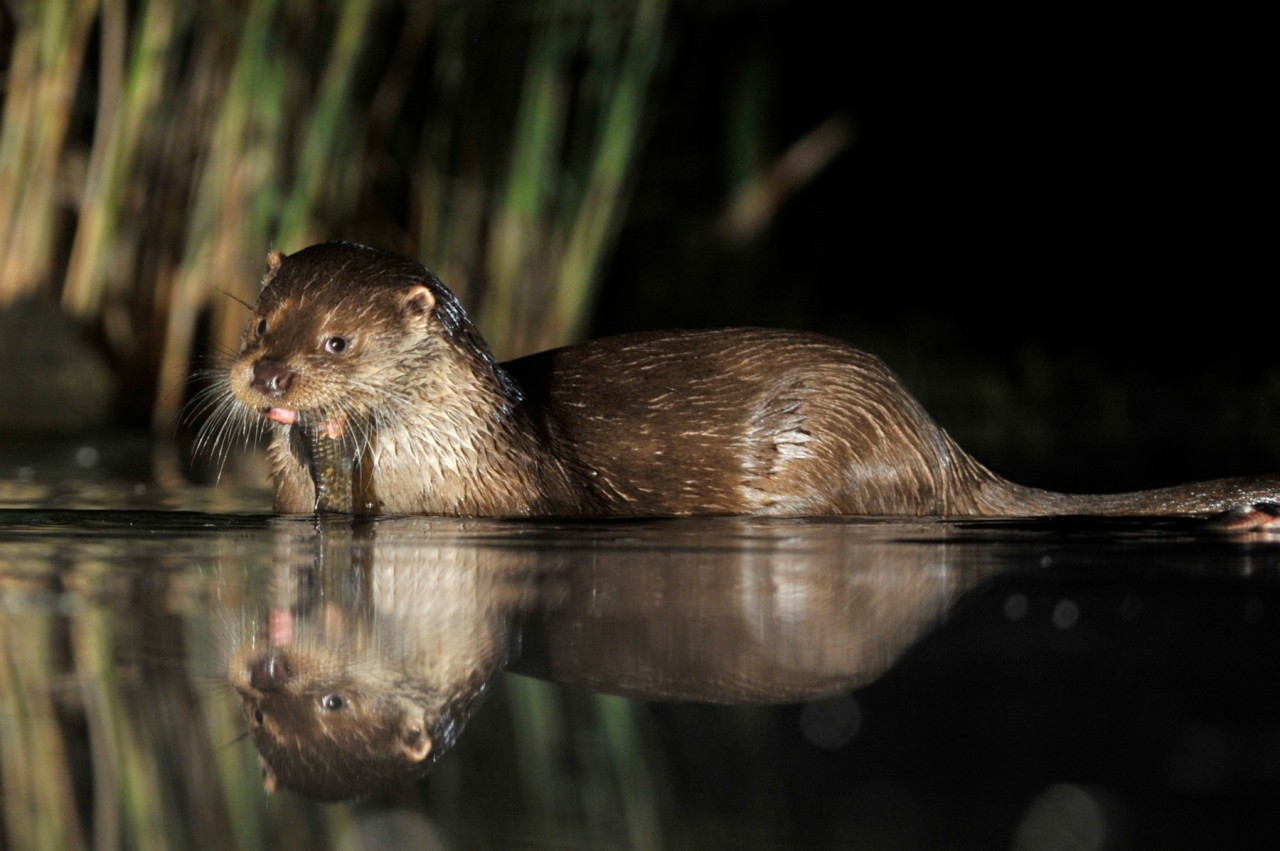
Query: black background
[[1053, 223]]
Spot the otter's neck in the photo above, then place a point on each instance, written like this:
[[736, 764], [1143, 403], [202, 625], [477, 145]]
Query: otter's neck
[[465, 447]]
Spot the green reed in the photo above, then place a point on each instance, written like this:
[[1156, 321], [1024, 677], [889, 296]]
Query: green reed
[[150, 154], [631, 764], [44, 72], [130, 800], [494, 140], [38, 800]]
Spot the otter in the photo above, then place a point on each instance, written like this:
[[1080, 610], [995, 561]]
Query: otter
[[351, 342], [379, 639]]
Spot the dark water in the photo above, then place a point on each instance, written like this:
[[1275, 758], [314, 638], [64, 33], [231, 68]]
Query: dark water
[[788, 684]]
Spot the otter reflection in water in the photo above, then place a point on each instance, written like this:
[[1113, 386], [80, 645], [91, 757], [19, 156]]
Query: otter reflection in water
[[380, 639], [375, 648]]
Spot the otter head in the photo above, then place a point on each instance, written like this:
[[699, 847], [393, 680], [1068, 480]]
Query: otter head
[[340, 333], [334, 733]]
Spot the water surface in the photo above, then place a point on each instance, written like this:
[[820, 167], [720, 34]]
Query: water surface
[[718, 683]]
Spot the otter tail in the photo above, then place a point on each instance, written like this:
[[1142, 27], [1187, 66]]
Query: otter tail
[[1241, 495]]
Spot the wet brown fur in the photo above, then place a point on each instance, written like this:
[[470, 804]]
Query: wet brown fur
[[738, 421]]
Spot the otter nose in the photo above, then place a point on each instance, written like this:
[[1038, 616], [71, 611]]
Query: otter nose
[[271, 378], [270, 672]]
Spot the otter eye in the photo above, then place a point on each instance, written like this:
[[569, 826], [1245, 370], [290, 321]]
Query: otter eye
[[336, 345], [262, 327], [257, 716], [333, 702]]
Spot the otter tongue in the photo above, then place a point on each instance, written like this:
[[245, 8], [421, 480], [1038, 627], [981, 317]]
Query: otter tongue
[[280, 627], [284, 416], [332, 462]]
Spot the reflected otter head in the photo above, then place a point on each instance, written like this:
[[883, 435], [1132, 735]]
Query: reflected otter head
[[340, 731], [366, 664]]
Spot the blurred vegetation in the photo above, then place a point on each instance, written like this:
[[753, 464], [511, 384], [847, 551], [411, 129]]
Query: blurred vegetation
[[151, 152]]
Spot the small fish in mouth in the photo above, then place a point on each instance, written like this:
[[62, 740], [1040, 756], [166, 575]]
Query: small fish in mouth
[[331, 458]]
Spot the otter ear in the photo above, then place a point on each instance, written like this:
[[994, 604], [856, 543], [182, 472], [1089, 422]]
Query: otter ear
[[419, 300], [414, 740], [269, 782], [274, 260]]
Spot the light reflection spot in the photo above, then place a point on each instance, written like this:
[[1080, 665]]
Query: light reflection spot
[[1066, 614], [86, 457], [1016, 607], [1063, 816]]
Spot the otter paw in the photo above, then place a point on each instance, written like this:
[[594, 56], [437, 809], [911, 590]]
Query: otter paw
[[1248, 518]]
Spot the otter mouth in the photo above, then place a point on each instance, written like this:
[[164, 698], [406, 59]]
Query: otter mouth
[[284, 416], [330, 427]]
